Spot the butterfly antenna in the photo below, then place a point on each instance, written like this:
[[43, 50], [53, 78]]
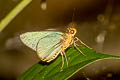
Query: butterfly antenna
[[73, 15]]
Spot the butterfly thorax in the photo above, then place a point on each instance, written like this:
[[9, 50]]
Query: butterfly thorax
[[69, 37]]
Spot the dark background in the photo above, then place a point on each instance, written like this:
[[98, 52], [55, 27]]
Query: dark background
[[98, 25]]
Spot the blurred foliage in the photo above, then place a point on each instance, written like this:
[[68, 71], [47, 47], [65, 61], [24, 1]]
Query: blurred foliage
[[13, 13]]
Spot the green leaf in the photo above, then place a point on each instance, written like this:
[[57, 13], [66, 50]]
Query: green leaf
[[77, 61]]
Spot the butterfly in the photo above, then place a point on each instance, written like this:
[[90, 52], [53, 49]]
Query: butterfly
[[49, 44]]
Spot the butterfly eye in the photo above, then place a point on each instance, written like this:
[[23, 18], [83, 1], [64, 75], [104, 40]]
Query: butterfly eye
[[72, 31]]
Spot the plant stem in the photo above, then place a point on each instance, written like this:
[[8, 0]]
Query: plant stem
[[13, 13]]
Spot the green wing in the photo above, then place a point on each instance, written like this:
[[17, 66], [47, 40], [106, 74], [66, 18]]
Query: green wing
[[31, 39], [49, 45]]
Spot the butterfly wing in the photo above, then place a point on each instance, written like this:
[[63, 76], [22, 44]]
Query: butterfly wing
[[47, 47], [31, 39]]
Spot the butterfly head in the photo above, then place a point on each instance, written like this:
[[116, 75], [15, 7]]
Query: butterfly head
[[72, 31]]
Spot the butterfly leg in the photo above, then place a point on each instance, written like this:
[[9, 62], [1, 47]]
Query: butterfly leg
[[78, 49], [77, 39], [76, 43], [63, 54], [62, 60], [65, 58]]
